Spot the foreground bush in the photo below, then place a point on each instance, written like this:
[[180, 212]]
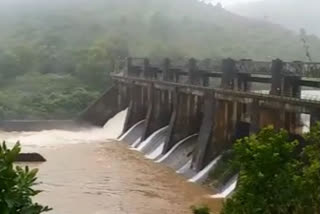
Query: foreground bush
[[16, 184], [311, 170], [275, 178]]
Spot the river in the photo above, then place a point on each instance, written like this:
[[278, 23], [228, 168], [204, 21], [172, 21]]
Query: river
[[89, 173]]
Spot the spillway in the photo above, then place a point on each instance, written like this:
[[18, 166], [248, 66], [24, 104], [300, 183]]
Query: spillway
[[157, 152], [186, 170], [113, 128], [227, 189], [134, 133], [136, 143], [203, 174], [180, 154], [153, 142]]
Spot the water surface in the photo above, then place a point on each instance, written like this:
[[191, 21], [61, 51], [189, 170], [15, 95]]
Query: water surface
[[87, 173]]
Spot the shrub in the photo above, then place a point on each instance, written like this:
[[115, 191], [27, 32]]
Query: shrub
[[16, 184], [311, 170], [273, 178]]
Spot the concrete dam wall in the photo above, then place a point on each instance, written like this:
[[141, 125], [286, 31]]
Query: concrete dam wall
[[187, 115]]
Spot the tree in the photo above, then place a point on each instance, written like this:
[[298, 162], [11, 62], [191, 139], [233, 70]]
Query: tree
[[96, 63], [16, 185], [275, 177]]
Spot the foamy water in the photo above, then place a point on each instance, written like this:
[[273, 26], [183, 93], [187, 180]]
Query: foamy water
[[54, 138]]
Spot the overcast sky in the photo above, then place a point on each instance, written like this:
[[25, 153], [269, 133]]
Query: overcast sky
[[230, 2], [224, 2]]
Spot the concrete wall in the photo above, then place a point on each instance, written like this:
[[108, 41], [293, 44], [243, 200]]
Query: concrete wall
[[109, 104]]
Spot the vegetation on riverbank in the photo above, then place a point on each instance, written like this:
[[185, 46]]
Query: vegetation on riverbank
[[16, 185], [277, 175]]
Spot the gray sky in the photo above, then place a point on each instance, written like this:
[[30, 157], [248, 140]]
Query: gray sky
[[225, 3], [230, 2]]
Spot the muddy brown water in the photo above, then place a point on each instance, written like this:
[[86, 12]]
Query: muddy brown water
[[87, 174]]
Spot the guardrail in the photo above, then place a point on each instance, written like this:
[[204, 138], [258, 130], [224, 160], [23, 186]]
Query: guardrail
[[246, 66]]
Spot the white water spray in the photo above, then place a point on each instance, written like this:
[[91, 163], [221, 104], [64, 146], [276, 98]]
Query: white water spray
[[156, 153], [121, 138], [175, 148], [53, 138], [151, 138], [136, 143]]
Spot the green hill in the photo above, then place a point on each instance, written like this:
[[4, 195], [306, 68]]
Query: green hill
[[55, 55], [148, 27]]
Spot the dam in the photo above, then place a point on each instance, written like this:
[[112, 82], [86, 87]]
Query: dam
[[177, 119], [186, 114]]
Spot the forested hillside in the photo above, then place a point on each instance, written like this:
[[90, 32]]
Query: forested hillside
[[293, 14], [55, 55]]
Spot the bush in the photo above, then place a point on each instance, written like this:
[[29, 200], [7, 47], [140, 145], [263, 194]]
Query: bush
[[311, 170], [273, 179], [16, 185]]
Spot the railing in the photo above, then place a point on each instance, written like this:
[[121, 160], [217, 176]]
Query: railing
[[304, 69], [246, 66], [251, 67]]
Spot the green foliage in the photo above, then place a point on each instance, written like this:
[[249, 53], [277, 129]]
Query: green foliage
[[200, 209], [58, 103], [16, 185], [273, 179], [311, 170]]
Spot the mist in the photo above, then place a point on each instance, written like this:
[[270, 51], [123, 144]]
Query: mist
[[292, 14]]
